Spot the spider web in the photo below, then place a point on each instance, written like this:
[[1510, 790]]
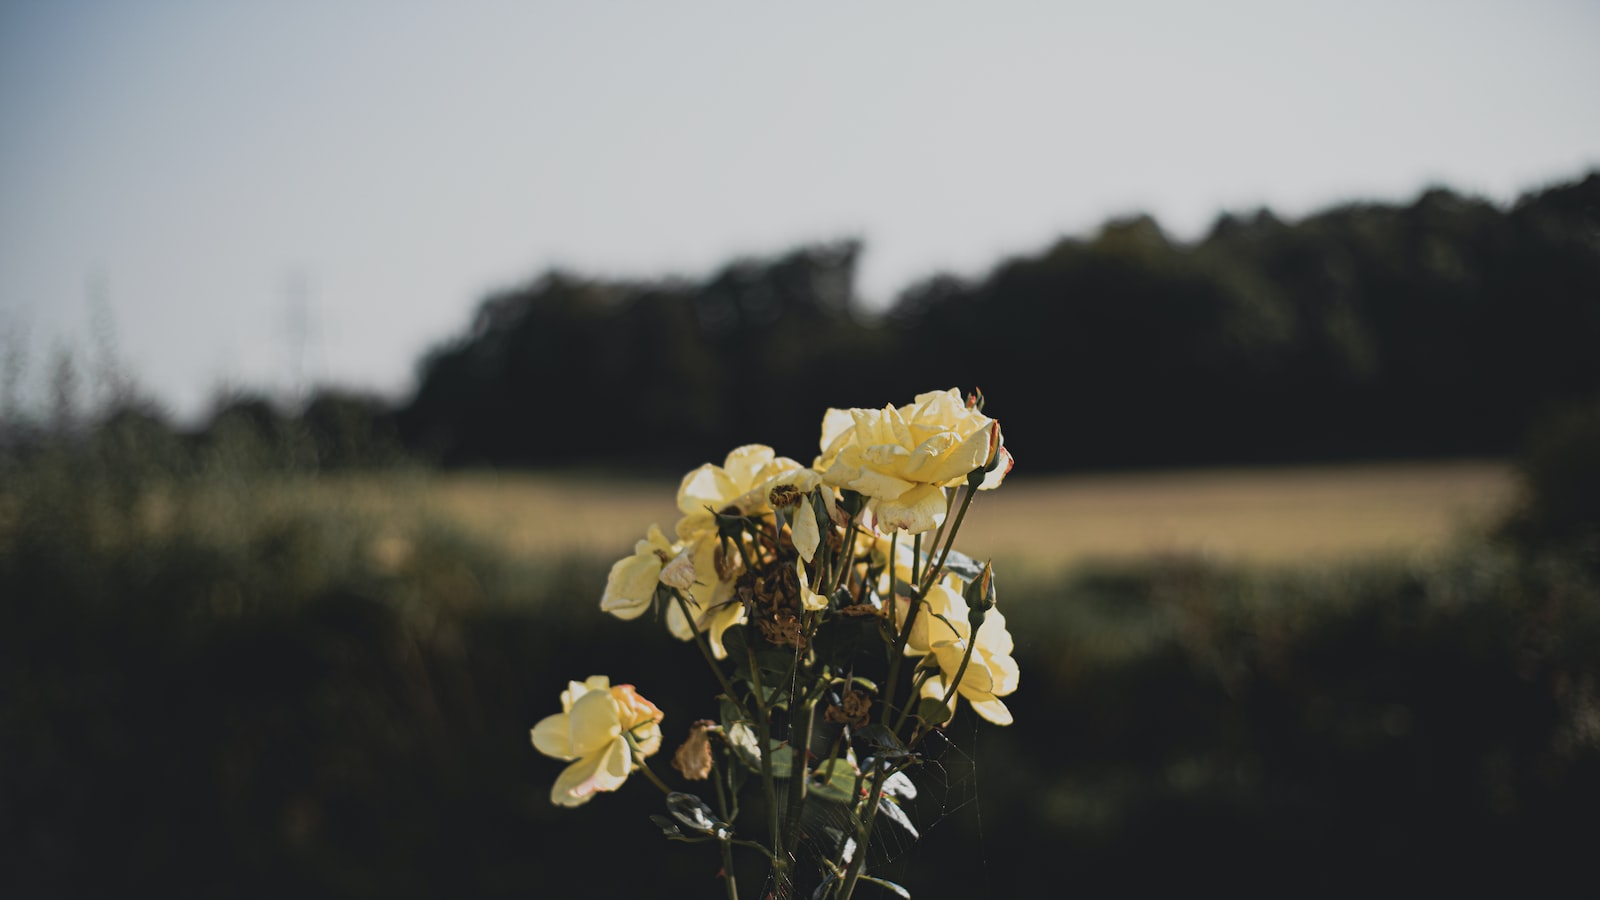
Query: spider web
[[945, 780]]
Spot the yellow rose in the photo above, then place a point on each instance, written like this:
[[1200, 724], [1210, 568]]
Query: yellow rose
[[631, 584], [743, 482], [942, 630], [903, 458], [710, 598], [594, 727], [689, 566]]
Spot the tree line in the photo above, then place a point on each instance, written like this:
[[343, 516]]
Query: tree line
[[1441, 327], [1446, 326]]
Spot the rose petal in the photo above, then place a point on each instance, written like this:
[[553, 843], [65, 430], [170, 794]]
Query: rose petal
[[552, 738], [604, 770], [593, 722], [916, 511]]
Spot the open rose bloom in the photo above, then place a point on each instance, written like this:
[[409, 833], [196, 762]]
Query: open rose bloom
[[601, 727], [904, 457]]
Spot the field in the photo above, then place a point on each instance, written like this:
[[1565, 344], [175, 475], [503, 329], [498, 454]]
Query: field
[[322, 686], [1260, 516]]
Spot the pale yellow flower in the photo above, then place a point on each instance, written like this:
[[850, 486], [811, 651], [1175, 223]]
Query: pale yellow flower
[[903, 458], [600, 727], [631, 584], [689, 566], [943, 631], [709, 597], [743, 482]]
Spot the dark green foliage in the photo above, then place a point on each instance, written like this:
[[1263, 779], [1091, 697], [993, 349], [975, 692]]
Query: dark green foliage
[[1371, 330], [1560, 471], [264, 706], [571, 370]]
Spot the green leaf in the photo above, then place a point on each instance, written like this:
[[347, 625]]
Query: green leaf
[[775, 696], [899, 787], [782, 759], [933, 711], [834, 780], [775, 665], [693, 812], [667, 826], [891, 811], [673, 833], [891, 886], [733, 640], [744, 744], [882, 742], [731, 715], [965, 567]]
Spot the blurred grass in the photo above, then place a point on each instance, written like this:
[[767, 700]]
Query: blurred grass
[[241, 684], [1044, 525]]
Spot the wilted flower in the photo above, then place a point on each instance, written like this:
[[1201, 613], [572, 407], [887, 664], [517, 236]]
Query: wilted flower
[[600, 727], [853, 709], [693, 758], [742, 485], [903, 458], [943, 630]]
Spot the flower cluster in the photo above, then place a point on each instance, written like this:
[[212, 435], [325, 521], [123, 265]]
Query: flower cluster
[[786, 575]]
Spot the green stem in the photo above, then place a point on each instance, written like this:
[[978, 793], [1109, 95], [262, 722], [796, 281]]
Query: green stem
[[728, 881], [799, 744], [704, 644], [768, 786], [916, 557], [923, 674], [932, 575], [846, 557], [949, 504], [725, 844], [642, 766], [898, 649], [966, 657], [858, 861]]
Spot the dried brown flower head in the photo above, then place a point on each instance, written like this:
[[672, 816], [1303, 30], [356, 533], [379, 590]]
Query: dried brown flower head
[[854, 709], [693, 757]]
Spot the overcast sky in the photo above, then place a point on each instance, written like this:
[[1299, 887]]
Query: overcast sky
[[274, 193]]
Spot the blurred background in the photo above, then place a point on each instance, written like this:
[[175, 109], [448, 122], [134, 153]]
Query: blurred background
[[344, 346]]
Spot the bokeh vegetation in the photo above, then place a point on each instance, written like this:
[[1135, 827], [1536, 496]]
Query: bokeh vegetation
[[247, 699], [210, 692]]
